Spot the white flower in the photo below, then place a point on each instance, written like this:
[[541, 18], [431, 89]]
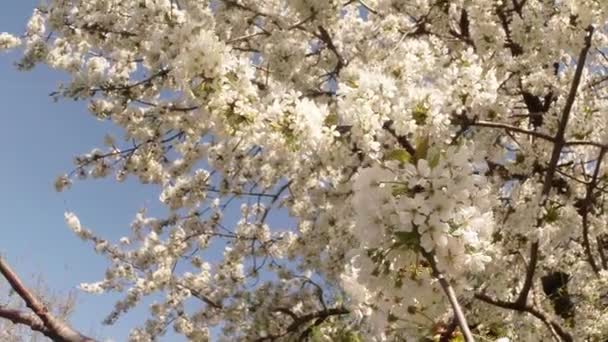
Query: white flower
[[8, 41], [96, 66], [35, 26], [370, 192], [352, 286], [423, 168], [62, 182], [310, 118], [234, 103], [73, 222], [94, 288]]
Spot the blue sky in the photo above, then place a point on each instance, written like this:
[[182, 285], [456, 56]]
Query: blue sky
[[38, 141]]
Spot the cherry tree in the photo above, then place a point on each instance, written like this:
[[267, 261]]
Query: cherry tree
[[442, 163]]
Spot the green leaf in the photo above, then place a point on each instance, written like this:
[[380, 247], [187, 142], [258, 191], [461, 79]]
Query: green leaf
[[203, 89], [453, 228], [497, 330], [463, 98], [400, 190], [552, 215], [353, 337], [420, 114], [399, 155], [433, 157], [315, 334], [407, 239], [422, 148], [492, 114], [579, 135], [287, 132], [458, 338], [399, 282], [331, 120], [386, 267]]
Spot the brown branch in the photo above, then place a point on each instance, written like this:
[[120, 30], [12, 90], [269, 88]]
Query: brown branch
[[601, 245], [585, 143], [298, 322], [387, 126], [586, 207], [447, 334], [287, 312], [20, 317], [449, 292], [367, 7], [57, 330], [531, 269], [464, 32], [564, 335], [559, 142], [402, 140], [126, 88], [510, 128], [325, 37], [557, 149], [205, 299], [505, 20], [466, 122], [82, 163]]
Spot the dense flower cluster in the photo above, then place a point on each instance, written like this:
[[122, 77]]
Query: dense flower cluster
[[442, 207], [421, 150]]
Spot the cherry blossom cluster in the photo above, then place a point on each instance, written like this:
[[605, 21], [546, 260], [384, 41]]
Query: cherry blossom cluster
[[367, 169]]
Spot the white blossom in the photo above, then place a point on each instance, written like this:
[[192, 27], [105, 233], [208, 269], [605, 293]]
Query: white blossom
[[312, 156], [8, 41]]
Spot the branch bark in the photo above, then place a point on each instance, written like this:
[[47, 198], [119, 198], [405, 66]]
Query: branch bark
[[20, 317], [586, 206], [299, 321], [509, 128], [559, 143], [449, 292], [551, 324], [520, 304], [41, 320]]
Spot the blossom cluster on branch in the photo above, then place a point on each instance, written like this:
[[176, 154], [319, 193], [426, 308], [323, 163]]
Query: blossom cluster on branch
[[442, 163]]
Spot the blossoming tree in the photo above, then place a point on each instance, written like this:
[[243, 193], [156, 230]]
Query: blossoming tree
[[442, 163]]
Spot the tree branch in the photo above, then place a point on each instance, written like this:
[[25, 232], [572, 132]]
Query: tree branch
[[559, 143], [586, 207], [449, 292], [56, 329], [300, 321], [20, 317], [564, 335], [510, 128], [402, 140]]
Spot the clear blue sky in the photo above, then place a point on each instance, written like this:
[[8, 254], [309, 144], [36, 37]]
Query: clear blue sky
[[38, 141]]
